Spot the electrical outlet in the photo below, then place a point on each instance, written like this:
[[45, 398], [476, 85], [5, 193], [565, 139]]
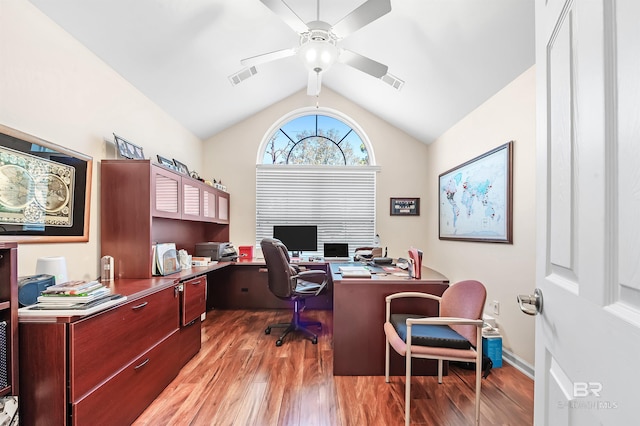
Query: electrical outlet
[[496, 307]]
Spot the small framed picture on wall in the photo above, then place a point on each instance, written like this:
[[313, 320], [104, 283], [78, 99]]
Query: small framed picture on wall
[[405, 207]]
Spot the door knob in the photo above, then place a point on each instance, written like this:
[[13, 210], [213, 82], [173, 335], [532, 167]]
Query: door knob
[[534, 300]]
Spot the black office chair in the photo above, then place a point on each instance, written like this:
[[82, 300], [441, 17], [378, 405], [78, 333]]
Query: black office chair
[[289, 283]]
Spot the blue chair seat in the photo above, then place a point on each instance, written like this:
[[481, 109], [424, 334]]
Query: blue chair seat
[[427, 334]]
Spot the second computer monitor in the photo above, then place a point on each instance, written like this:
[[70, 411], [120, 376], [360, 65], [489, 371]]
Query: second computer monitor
[[336, 250]]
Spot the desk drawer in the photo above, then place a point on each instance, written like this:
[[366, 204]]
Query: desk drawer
[[125, 396], [194, 298], [190, 344], [102, 345]]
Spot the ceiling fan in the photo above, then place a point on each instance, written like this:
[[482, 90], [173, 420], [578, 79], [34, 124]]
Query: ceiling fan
[[318, 48]]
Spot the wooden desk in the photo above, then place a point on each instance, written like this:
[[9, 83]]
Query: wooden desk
[[359, 315], [245, 286]]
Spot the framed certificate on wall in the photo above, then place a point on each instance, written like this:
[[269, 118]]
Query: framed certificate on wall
[[405, 207]]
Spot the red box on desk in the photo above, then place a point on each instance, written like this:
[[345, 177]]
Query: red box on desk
[[246, 252]]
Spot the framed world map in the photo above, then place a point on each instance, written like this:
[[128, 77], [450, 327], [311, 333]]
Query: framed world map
[[475, 198]]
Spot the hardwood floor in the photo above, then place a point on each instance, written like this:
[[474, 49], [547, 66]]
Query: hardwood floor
[[240, 377]]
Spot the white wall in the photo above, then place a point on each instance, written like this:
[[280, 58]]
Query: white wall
[[231, 156], [506, 270], [52, 87]]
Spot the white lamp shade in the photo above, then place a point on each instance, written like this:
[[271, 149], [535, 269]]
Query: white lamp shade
[[318, 56], [55, 265]]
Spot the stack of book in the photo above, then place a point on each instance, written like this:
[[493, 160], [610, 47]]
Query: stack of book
[[73, 293], [73, 298], [201, 260]]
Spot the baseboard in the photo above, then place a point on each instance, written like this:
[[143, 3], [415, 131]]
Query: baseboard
[[526, 368]]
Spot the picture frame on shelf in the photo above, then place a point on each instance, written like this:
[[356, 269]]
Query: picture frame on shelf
[[404, 206], [476, 198], [181, 167], [128, 149], [45, 190], [163, 161]]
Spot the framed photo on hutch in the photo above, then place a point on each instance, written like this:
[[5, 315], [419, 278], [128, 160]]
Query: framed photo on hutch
[[166, 162], [181, 167], [128, 149], [475, 198]]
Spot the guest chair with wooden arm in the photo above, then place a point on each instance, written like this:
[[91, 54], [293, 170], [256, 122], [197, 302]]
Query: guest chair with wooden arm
[[455, 335], [287, 282]]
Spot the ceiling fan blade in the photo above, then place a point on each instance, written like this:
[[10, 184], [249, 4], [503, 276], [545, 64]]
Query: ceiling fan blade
[[364, 14], [364, 64], [267, 57], [314, 84], [280, 8]]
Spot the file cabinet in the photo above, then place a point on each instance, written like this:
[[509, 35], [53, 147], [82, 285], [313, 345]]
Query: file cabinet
[[108, 366]]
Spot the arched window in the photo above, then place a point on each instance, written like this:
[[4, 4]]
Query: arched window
[[316, 139], [315, 166]]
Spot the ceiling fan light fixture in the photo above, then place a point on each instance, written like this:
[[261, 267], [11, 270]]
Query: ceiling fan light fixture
[[318, 50], [318, 44], [318, 56]]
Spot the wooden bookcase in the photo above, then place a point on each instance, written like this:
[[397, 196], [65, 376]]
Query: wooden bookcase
[[9, 313], [142, 203]]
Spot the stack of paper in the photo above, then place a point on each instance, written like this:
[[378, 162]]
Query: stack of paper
[[354, 272], [96, 305]]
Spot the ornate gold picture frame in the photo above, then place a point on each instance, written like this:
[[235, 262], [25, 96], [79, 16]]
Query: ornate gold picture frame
[[45, 190]]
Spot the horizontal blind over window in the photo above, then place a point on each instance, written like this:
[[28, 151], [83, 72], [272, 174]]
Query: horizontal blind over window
[[339, 201]]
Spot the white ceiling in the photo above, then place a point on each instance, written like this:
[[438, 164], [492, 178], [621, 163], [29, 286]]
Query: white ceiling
[[452, 54]]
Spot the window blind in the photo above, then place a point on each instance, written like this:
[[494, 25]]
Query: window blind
[[340, 201]]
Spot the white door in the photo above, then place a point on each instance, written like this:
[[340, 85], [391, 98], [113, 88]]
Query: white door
[[588, 217]]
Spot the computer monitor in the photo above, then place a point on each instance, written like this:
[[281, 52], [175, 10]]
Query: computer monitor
[[297, 238], [336, 250]]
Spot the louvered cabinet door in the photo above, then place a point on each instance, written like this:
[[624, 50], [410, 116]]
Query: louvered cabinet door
[[191, 200], [223, 207], [167, 193], [209, 204]]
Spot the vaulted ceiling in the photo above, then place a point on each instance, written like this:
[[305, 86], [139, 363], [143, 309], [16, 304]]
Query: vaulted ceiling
[[452, 55]]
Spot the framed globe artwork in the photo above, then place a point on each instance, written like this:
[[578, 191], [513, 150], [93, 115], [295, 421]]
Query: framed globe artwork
[[45, 190]]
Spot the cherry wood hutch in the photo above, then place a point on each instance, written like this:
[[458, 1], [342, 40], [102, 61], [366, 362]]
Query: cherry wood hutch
[[144, 203]]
